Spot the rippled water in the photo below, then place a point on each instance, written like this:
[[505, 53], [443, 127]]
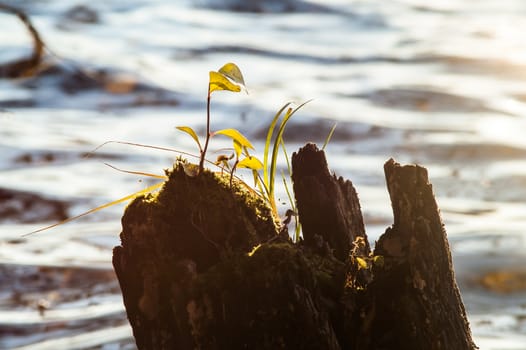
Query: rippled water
[[440, 84]]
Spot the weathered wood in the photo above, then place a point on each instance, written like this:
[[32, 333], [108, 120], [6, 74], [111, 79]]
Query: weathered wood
[[169, 239], [190, 278], [328, 206], [413, 301], [202, 265]]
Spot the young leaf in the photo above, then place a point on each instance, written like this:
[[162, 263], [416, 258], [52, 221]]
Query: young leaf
[[236, 136], [190, 132], [219, 81], [238, 148], [250, 162], [362, 264], [232, 71], [228, 78]]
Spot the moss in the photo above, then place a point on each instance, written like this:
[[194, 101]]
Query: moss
[[202, 217], [268, 300], [330, 274], [196, 239]]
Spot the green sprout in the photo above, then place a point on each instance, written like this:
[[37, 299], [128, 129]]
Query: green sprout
[[227, 78], [230, 78]]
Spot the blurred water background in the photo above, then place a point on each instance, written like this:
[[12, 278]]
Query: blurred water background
[[437, 83]]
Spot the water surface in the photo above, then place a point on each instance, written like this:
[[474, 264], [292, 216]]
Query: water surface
[[438, 84]]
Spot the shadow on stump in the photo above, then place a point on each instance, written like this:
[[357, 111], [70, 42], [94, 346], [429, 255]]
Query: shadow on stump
[[203, 265]]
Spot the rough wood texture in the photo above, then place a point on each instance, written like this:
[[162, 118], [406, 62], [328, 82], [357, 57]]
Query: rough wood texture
[[169, 239], [191, 278], [188, 280], [413, 301], [328, 206]]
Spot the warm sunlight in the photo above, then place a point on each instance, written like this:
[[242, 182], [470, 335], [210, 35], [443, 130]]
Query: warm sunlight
[[99, 100]]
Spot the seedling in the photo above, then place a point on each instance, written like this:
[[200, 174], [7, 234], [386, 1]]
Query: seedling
[[227, 78]]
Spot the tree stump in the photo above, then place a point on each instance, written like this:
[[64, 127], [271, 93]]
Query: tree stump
[[204, 264], [413, 301]]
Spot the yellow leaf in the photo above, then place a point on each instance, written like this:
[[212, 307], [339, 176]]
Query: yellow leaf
[[228, 78], [362, 264], [123, 199], [237, 148], [232, 71], [250, 162], [236, 136], [190, 132], [219, 81]]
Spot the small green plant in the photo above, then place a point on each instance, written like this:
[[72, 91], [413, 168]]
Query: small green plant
[[230, 78], [227, 78]]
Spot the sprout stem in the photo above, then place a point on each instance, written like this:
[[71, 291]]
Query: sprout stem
[[203, 152]]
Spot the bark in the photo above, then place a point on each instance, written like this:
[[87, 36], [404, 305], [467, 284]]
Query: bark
[[413, 301], [205, 265], [328, 206]]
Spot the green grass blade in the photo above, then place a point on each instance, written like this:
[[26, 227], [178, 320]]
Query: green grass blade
[[270, 132], [277, 141], [297, 232], [274, 157], [263, 189], [286, 185], [123, 199], [287, 159], [329, 136]]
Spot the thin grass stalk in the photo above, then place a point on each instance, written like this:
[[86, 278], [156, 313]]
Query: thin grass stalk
[[270, 132], [328, 138], [277, 141]]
